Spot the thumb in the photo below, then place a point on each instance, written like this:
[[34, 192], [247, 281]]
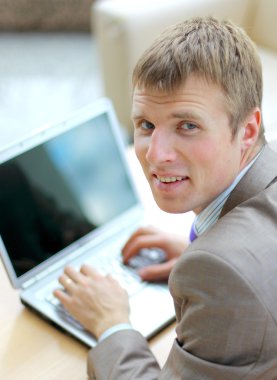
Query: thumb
[[158, 272]]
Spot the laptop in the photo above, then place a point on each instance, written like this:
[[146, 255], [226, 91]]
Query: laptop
[[67, 197]]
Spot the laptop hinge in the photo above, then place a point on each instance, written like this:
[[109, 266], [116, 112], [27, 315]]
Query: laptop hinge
[[28, 283]]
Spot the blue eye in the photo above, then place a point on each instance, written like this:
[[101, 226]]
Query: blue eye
[[147, 125], [188, 126]]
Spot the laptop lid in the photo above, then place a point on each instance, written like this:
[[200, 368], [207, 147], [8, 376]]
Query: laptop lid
[[61, 187]]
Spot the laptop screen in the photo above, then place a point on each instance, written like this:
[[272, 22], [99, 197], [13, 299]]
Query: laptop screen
[[57, 192]]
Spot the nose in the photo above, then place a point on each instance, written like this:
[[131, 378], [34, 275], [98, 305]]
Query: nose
[[161, 147]]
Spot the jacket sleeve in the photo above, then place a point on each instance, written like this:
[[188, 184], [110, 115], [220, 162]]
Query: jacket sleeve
[[123, 355], [221, 322], [221, 325]]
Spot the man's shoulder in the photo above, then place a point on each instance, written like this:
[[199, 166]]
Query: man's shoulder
[[243, 243], [248, 229]]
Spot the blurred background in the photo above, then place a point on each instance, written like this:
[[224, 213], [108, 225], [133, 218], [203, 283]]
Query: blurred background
[[48, 63], [59, 55]]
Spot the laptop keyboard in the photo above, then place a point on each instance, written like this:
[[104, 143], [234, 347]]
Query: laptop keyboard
[[125, 275]]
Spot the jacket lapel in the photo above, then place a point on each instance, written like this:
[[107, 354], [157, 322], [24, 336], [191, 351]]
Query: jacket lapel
[[261, 175]]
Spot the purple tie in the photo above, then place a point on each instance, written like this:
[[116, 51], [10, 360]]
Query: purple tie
[[192, 235]]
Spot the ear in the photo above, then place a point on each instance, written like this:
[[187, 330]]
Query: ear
[[250, 128]]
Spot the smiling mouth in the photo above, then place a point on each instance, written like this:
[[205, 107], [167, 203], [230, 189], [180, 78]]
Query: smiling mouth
[[170, 179]]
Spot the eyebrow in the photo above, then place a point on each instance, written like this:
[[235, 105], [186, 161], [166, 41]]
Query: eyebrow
[[178, 115], [136, 116], [186, 115]]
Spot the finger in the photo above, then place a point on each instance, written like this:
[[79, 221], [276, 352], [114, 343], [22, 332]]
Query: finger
[[115, 282], [89, 271], [159, 272], [67, 283], [140, 231], [73, 274], [63, 297], [147, 241]]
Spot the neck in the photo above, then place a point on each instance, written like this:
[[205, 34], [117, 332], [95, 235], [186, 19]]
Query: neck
[[249, 154]]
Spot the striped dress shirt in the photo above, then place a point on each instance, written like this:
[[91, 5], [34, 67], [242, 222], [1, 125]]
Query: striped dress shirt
[[209, 216]]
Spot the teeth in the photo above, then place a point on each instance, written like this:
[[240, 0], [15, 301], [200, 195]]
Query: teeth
[[169, 179]]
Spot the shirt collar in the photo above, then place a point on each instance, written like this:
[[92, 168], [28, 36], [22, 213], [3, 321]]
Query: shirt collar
[[210, 214]]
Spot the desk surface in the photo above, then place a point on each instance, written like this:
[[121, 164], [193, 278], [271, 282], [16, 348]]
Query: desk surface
[[31, 348]]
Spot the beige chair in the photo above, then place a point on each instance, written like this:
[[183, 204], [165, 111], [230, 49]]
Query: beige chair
[[125, 28]]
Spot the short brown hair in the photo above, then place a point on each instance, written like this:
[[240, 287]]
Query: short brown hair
[[219, 51]]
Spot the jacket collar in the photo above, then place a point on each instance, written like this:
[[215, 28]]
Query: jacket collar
[[260, 176]]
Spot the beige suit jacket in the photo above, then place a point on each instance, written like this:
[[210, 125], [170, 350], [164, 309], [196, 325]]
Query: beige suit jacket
[[224, 289]]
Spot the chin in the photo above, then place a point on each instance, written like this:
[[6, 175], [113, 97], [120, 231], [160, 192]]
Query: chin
[[171, 208]]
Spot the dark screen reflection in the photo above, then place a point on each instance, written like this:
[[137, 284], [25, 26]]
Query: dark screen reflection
[[32, 225], [55, 193]]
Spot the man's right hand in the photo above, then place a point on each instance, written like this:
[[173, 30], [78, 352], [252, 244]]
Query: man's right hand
[[150, 237]]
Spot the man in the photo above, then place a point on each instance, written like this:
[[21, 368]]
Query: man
[[200, 140]]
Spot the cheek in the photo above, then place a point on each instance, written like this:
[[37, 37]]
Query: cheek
[[140, 149], [212, 158], [205, 153]]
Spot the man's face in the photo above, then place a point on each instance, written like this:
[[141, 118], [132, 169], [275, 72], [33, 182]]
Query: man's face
[[184, 144]]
